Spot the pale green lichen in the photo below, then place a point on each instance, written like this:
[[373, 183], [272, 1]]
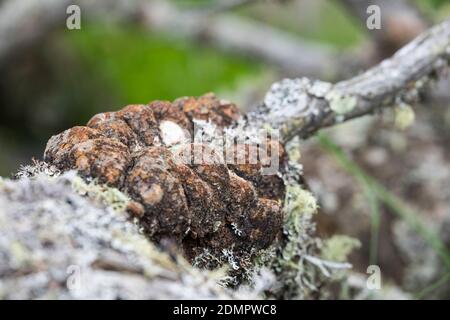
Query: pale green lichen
[[296, 278], [287, 130], [300, 205], [20, 255], [294, 151], [228, 263], [108, 196], [299, 202], [404, 116], [341, 103], [338, 248], [268, 128], [111, 197], [204, 259], [217, 225], [261, 260]]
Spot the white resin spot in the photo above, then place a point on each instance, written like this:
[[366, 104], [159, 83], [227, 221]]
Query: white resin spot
[[172, 133]]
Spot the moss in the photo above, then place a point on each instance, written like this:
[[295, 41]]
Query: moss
[[338, 247]]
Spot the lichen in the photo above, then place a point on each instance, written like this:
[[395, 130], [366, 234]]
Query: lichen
[[37, 168], [295, 277], [300, 206], [341, 103], [289, 96], [19, 254], [338, 247], [299, 202], [403, 116], [109, 196]]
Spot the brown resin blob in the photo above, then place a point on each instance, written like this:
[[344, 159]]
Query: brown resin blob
[[206, 207]]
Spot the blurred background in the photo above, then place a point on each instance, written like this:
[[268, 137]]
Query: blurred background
[[386, 185]]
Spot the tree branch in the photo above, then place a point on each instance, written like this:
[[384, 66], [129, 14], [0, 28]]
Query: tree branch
[[401, 22], [227, 5], [251, 38], [116, 261], [31, 20], [302, 106]]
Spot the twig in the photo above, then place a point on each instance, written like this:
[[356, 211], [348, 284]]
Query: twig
[[401, 21], [219, 6], [300, 107]]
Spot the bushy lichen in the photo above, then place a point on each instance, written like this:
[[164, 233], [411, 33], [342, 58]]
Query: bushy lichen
[[338, 247], [299, 242], [300, 206], [37, 168], [109, 196]]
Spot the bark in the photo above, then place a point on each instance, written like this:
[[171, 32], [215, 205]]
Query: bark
[[63, 239]]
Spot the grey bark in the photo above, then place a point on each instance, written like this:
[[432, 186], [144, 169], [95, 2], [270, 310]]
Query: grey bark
[[25, 22], [56, 243]]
